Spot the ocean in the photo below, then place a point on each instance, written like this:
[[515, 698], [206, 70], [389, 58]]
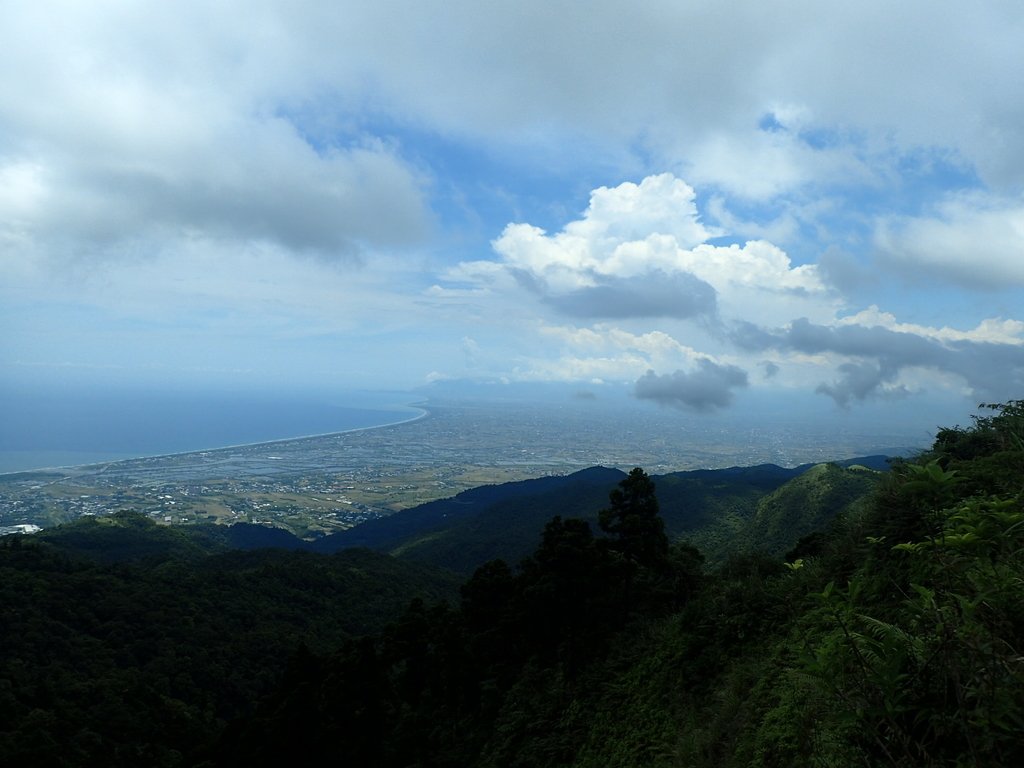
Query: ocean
[[66, 428]]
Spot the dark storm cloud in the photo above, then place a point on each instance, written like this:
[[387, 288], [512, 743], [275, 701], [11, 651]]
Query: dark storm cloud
[[656, 294], [992, 369], [705, 389]]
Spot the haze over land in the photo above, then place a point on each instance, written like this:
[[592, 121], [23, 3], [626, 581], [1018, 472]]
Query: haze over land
[[323, 484], [778, 207]]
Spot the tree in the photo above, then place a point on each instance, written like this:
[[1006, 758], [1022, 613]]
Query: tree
[[634, 521]]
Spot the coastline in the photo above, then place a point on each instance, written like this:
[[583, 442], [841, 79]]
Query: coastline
[[423, 413]]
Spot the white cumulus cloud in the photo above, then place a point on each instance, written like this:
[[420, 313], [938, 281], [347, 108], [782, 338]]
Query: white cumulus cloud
[[641, 250], [970, 239]]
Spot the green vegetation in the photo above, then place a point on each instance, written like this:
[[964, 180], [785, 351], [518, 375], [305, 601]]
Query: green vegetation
[[718, 510], [142, 656], [854, 618], [807, 504]]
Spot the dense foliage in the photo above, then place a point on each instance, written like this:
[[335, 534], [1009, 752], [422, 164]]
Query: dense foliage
[[893, 637], [140, 657], [891, 633], [491, 680], [720, 510]]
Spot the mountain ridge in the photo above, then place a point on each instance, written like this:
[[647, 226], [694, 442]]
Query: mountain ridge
[[504, 520]]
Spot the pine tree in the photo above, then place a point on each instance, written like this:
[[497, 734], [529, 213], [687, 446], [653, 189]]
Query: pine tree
[[634, 521]]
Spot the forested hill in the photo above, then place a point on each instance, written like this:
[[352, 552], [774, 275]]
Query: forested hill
[[389, 533], [829, 627], [125, 643], [713, 506], [892, 637]]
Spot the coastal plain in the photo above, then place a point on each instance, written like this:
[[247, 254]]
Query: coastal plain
[[315, 486]]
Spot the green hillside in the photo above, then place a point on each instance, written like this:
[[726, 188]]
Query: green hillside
[[894, 640], [808, 503], [722, 511], [125, 642], [127, 537], [507, 528], [890, 636]]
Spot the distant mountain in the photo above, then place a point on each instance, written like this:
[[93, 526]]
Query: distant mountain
[[247, 536], [716, 508], [807, 503], [693, 501], [765, 508], [504, 506], [775, 519], [719, 510]]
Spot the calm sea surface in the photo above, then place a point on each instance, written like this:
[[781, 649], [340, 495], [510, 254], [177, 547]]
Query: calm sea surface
[[50, 429]]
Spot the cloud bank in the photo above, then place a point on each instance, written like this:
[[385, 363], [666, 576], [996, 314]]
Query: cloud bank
[[704, 389], [641, 250], [639, 258], [876, 355], [378, 192]]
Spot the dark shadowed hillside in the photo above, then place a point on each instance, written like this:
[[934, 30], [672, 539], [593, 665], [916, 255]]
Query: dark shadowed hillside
[[714, 507], [125, 643], [773, 520], [893, 640], [388, 532], [844, 616]]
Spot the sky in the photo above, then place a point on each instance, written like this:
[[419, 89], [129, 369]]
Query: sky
[[695, 204]]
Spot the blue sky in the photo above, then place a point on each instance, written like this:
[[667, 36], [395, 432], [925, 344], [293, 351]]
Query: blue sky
[[693, 203]]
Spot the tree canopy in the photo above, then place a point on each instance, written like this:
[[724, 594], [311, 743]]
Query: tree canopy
[[633, 519], [891, 637]]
